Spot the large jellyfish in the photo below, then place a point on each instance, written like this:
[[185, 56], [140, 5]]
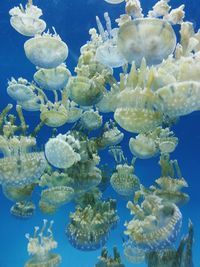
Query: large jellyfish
[[155, 225], [152, 38], [107, 53], [40, 246], [27, 21], [89, 227], [46, 51], [20, 166], [138, 107]]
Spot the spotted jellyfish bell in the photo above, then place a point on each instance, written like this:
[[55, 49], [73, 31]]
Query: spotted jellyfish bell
[[108, 53], [52, 79], [62, 151], [27, 21], [91, 120], [40, 245], [46, 51], [114, 1], [23, 209], [151, 38]]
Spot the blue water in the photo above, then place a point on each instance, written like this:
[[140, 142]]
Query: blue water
[[72, 20]]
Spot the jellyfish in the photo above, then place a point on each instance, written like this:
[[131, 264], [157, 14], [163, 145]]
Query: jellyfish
[[138, 107], [74, 112], [85, 91], [52, 79], [91, 120], [40, 246], [132, 253], [46, 51], [18, 194], [23, 209], [90, 197], [171, 182], [114, 1], [110, 136], [27, 21], [89, 227], [180, 98], [157, 35], [20, 166], [57, 195], [117, 153], [143, 146], [108, 261], [107, 53], [62, 151], [123, 181], [156, 224]]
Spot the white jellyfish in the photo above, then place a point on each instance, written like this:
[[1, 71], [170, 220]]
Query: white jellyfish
[[46, 51], [27, 21], [108, 53], [114, 1], [61, 151]]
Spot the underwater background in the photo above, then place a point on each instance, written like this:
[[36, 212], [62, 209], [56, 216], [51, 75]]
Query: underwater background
[[72, 20]]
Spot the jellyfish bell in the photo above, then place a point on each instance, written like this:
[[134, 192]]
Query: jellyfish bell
[[53, 114], [151, 38], [114, 1], [27, 21], [91, 120], [143, 147], [85, 91], [20, 90], [46, 51], [180, 98], [52, 79], [61, 151], [23, 209], [18, 194], [57, 195], [132, 253], [34, 104]]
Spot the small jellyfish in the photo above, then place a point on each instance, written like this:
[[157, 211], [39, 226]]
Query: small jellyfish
[[114, 1], [23, 209], [107, 53], [62, 151], [27, 21], [40, 246], [46, 51], [123, 181], [143, 146], [91, 120], [132, 253], [117, 153], [108, 261], [52, 79], [18, 194], [89, 227], [20, 90]]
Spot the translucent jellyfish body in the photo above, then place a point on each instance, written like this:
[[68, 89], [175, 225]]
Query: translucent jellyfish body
[[18, 194], [91, 120], [123, 181], [20, 90], [132, 253], [85, 91], [108, 261], [143, 146], [54, 114], [89, 227], [27, 21], [155, 225], [180, 98], [138, 107], [46, 51], [52, 79], [114, 1], [62, 151], [107, 53], [150, 38], [57, 195], [40, 246], [20, 167], [23, 209]]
